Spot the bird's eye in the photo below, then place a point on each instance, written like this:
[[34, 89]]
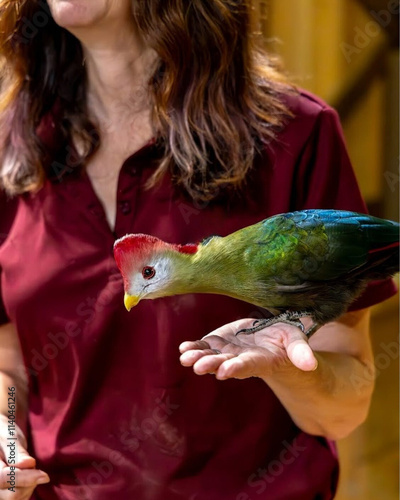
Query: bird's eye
[[148, 272]]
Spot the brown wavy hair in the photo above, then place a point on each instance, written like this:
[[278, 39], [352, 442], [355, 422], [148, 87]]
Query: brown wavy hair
[[215, 93]]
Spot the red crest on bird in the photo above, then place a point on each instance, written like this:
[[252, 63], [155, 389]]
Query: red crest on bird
[[133, 249]]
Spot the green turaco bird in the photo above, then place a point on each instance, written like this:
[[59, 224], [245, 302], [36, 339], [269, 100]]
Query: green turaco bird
[[308, 263]]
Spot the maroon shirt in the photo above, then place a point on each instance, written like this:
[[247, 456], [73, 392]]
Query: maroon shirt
[[112, 413]]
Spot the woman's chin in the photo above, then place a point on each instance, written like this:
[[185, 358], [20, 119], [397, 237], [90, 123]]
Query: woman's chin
[[70, 14]]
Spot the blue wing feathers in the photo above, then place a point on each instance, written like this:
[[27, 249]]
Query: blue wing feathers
[[371, 232]]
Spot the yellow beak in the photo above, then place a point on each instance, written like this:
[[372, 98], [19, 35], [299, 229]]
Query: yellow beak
[[130, 301]]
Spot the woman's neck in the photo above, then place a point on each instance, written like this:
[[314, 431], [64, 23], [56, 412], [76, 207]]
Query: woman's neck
[[118, 70]]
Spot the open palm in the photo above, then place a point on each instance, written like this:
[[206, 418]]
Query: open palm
[[261, 354]]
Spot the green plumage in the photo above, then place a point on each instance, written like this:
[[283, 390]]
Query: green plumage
[[277, 261]]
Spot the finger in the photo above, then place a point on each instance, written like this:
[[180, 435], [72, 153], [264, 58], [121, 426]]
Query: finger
[[246, 365], [24, 460], [198, 344], [207, 343], [24, 478], [211, 363], [21, 494], [18, 494], [189, 358], [223, 335]]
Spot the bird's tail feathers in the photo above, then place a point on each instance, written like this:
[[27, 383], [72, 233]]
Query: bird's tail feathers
[[380, 265]]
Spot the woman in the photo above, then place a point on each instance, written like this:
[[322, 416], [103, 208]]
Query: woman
[[160, 117]]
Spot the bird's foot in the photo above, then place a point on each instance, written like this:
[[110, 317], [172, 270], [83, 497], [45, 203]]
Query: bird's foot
[[260, 324], [310, 331], [289, 317]]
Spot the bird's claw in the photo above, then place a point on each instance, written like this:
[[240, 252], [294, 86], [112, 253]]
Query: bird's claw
[[290, 318]]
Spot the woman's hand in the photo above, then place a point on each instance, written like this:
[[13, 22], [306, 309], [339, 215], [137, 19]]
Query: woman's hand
[[325, 402], [273, 349], [26, 476]]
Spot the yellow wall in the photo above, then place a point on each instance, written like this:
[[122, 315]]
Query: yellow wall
[[323, 44]]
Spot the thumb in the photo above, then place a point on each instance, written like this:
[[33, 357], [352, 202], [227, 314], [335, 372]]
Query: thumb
[[299, 352]]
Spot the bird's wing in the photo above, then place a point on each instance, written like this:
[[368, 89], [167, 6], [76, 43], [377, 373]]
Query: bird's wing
[[316, 245], [353, 239]]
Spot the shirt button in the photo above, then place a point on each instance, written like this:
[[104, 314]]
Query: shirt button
[[125, 207]]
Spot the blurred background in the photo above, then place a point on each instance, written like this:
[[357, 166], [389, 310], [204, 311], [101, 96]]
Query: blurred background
[[347, 52]]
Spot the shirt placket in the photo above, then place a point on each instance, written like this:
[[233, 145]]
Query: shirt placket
[[127, 196]]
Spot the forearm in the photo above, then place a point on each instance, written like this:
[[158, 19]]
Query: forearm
[[326, 401], [12, 374]]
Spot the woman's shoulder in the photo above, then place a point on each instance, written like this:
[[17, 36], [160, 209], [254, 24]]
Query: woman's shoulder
[[305, 104], [310, 116]]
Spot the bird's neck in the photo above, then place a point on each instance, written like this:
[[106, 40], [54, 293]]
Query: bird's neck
[[212, 269]]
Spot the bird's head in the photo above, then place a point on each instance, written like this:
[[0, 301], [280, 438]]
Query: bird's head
[[148, 266]]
